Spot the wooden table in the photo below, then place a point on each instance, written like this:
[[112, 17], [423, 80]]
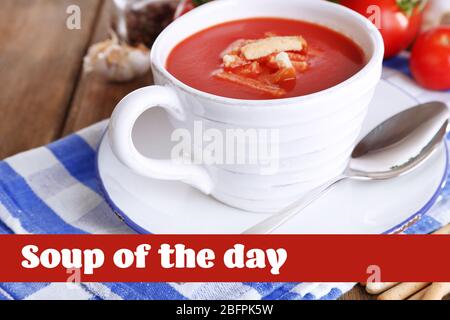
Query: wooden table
[[44, 94]]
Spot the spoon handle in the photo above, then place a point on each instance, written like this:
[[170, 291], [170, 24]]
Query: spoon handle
[[278, 219]]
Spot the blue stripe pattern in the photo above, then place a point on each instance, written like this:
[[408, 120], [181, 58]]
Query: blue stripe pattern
[[4, 229], [23, 204], [19, 291], [142, 291], [80, 164], [399, 63]]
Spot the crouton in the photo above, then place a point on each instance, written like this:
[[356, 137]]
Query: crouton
[[264, 47], [283, 61]]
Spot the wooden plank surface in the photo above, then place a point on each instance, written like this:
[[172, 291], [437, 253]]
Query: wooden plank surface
[[357, 293], [40, 59]]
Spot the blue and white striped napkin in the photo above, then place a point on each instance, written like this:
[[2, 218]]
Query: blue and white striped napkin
[[53, 190]]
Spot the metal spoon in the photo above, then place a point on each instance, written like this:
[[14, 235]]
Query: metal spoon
[[393, 148]]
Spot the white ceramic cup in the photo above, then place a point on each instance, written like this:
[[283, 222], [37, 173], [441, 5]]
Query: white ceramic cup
[[316, 131]]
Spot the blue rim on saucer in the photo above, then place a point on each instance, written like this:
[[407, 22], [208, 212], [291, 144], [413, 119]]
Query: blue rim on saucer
[[396, 229]]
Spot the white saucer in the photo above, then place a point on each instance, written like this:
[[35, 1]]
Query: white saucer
[[153, 206]]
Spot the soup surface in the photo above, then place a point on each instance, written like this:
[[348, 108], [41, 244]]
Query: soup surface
[[320, 58]]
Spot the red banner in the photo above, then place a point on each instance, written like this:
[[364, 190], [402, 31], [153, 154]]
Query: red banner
[[224, 258]]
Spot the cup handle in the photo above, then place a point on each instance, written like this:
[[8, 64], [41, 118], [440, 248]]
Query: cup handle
[[120, 129]]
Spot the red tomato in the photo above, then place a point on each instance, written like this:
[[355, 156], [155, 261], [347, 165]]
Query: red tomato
[[399, 21], [430, 59]]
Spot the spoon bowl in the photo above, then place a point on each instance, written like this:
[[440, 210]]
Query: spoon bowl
[[401, 143], [395, 147]]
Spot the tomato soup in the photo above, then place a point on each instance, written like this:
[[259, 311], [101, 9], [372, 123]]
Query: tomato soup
[[265, 58]]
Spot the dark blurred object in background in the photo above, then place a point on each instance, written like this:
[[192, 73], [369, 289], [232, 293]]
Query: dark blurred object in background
[[141, 21]]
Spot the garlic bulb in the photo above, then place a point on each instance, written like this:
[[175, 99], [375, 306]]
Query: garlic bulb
[[117, 61], [436, 13]]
